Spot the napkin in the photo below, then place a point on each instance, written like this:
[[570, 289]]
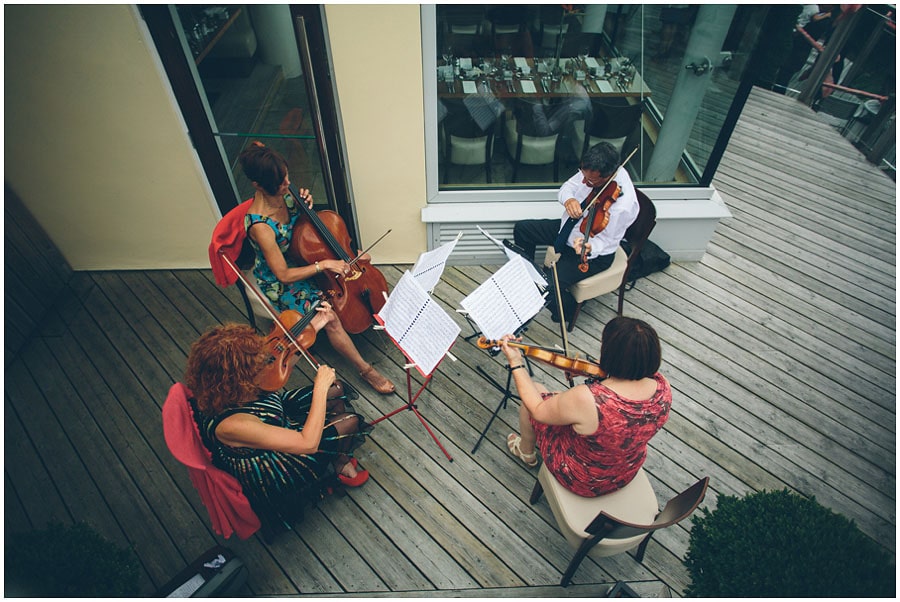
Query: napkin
[[528, 86], [604, 85], [591, 62], [469, 87], [521, 62], [465, 63]]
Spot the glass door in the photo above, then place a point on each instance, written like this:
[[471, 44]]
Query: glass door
[[245, 74]]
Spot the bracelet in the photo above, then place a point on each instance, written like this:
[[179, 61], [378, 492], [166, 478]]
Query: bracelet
[[318, 269], [511, 368]]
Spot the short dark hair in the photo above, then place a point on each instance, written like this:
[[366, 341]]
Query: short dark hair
[[264, 166], [602, 157], [629, 349]]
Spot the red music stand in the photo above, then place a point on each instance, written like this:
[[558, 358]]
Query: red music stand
[[411, 405]]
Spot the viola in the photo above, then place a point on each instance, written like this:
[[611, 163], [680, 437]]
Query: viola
[[552, 358], [323, 235], [281, 348], [598, 216]]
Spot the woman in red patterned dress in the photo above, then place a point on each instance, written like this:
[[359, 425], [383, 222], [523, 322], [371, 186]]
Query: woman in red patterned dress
[[593, 437]]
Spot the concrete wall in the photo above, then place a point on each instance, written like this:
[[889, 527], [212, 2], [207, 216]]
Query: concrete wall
[[95, 145]]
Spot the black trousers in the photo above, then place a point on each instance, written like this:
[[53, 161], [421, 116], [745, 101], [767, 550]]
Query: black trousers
[[530, 233]]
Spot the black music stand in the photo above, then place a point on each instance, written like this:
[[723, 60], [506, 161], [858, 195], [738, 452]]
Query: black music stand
[[507, 393]]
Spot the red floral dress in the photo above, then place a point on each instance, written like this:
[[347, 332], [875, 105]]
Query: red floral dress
[[606, 460]]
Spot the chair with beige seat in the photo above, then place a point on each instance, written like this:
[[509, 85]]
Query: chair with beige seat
[[616, 275], [616, 522]]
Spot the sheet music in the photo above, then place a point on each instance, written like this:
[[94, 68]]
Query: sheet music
[[505, 301], [418, 324], [430, 264], [532, 271]]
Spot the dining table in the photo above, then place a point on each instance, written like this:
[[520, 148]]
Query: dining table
[[525, 77]]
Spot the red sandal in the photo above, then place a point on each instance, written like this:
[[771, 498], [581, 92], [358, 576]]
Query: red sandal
[[361, 477]]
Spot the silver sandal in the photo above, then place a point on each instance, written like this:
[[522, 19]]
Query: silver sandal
[[513, 442]]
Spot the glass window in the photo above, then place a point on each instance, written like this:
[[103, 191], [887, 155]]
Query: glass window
[[523, 90], [248, 69]]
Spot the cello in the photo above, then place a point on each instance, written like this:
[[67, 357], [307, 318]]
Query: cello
[[321, 235]]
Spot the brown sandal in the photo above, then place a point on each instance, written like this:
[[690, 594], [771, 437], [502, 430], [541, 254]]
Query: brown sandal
[[377, 381]]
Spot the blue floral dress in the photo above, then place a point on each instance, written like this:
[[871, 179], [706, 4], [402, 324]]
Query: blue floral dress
[[298, 296]]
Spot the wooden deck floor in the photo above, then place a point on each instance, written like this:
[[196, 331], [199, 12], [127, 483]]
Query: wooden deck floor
[[780, 347]]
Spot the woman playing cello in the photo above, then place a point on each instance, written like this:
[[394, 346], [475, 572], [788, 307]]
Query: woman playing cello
[[270, 223]]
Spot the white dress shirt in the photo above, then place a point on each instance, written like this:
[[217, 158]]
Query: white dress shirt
[[622, 212]]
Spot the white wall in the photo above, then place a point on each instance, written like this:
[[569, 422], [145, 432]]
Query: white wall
[[95, 146]]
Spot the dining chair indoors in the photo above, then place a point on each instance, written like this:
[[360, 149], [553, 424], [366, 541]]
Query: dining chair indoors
[[464, 141], [616, 275], [609, 121], [616, 522], [532, 136]]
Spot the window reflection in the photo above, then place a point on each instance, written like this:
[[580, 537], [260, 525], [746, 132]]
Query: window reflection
[[523, 90]]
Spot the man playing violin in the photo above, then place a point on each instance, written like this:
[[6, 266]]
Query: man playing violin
[[598, 165]]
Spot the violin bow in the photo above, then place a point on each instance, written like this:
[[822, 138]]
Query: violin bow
[[562, 317], [610, 179], [271, 311]]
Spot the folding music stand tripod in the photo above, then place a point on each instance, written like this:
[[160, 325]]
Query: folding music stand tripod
[[423, 332], [411, 405], [507, 393]]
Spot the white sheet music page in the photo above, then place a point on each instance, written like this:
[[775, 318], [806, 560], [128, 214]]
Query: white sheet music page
[[505, 301], [532, 271], [418, 324], [430, 265]]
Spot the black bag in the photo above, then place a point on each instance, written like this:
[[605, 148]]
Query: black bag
[[651, 259], [217, 573]]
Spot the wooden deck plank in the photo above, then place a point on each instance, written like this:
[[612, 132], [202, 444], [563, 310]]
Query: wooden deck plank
[[779, 345]]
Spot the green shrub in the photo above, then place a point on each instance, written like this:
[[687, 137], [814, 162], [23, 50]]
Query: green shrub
[[68, 561], [780, 544]]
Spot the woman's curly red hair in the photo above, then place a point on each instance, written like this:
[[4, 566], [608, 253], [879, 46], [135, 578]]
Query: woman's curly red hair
[[222, 367]]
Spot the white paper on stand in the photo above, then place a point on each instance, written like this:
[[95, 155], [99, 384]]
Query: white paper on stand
[[430, 264], [505, 301], [532, 271], [418, 324]]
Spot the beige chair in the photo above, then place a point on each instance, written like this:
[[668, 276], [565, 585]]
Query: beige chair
[[613, 523], [616, 275]]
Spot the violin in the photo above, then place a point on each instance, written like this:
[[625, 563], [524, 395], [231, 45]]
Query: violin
[[557, 360], [598, 217], [323, 235], [281, 347]]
